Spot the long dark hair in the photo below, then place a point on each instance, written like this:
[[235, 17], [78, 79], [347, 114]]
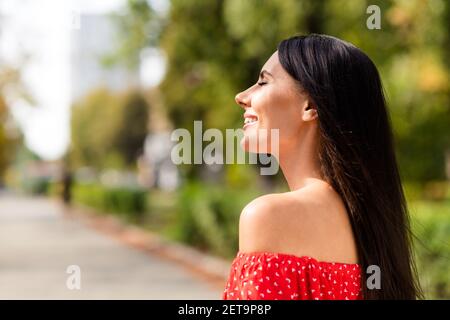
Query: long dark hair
[[357, 154]]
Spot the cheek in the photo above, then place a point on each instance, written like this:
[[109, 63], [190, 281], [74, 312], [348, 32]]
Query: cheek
[[276, 110], [284, 116], [266, 105]]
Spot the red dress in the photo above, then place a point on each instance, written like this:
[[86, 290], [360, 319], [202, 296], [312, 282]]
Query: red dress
[[279, 276]]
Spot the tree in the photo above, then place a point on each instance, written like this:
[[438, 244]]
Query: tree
[[108, 129], [138, 27], [7, 143], [216, 48], [10, 137]]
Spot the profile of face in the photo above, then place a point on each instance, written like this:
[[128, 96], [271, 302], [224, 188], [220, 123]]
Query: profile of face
[[275, 102]]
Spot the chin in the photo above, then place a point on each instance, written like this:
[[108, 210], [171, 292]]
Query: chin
[[251, 143], [245, 145]]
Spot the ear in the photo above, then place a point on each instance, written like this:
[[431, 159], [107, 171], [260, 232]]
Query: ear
[[309, 112]]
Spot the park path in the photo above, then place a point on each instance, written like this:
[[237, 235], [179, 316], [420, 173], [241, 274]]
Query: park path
[[37, 244]]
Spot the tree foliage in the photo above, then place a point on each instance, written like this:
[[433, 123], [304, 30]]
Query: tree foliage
[[216, 48], [108, 129], [7, 143], [137, 27], [10, 137]]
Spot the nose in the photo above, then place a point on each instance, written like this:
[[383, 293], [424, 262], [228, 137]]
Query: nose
[[242, 99]]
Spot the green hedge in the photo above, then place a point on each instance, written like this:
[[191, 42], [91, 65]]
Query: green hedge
[[129, 202], [37, 186], [208, 215], [431, 190], [431, 226]]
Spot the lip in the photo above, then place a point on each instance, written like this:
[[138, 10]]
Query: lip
[[252, 116]]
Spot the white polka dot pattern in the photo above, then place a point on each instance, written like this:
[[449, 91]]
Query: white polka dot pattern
[[279, 276]]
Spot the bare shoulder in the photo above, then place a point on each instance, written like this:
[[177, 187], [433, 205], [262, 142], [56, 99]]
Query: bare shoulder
[[258, 225], [312, 221]]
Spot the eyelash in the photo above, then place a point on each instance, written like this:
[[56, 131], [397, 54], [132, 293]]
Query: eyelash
[[261, 83]]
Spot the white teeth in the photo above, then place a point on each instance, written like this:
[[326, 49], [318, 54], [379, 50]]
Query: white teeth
[[249, 120]]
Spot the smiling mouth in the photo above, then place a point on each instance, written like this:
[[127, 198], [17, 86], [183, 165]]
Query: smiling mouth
[[250, 121]]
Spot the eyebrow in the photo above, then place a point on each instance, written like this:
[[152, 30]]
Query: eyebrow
[[265, 72]]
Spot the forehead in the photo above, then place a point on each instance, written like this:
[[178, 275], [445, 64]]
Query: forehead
[[273, 65], [280, 75]]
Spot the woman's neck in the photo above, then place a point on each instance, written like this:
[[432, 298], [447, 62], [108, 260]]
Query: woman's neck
[[299, 161]]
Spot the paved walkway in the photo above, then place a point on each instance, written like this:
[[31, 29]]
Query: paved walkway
[[37, 244]]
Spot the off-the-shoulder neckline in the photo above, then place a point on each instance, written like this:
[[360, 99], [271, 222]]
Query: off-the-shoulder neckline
[[292, 256]]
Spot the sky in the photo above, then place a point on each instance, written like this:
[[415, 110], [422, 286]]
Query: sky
[[42, 28]]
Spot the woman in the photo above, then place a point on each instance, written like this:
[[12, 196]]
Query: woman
[[345, 210]]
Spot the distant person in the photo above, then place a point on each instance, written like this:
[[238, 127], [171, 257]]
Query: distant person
[[345, 213], [67, 185]]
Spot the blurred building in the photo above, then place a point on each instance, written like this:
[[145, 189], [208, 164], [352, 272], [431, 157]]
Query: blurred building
[[90, 44]]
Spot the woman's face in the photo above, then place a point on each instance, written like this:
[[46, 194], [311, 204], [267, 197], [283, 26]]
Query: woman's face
[[273, 103]]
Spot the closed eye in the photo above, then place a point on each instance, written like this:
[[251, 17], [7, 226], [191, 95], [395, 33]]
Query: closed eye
[[261, 83]]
